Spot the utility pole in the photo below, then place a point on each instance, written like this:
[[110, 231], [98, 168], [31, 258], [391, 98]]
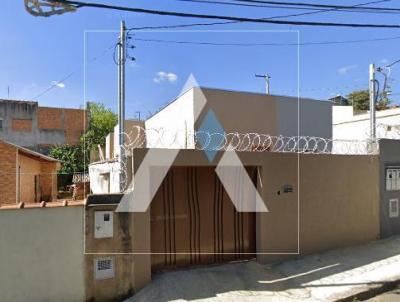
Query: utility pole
[[266, 77], [372, 101], [121, 97]]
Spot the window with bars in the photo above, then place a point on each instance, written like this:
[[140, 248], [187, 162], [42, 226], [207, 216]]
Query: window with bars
[[393, 208], [104, 264], [393, 179]]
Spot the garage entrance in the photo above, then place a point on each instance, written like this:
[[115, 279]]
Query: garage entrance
[[193, 221]]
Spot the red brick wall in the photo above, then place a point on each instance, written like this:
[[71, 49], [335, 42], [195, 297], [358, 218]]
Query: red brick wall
[[74, 124], [8, 177], [72, 121], [22, 125], [48, 181], [49, 118]]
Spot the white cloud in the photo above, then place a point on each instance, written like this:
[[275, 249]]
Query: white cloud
[[384, 61], [58, 84], [162, 76], [345, 69]]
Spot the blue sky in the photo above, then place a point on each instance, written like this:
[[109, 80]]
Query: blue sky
[[37, 51]]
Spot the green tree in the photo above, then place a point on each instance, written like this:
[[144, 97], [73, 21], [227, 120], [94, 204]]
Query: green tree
[[71, 157], [360, 100], [76, 158], [102, 122]]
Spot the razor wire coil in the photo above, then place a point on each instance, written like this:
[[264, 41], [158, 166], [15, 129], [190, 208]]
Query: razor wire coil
[[139, 137]]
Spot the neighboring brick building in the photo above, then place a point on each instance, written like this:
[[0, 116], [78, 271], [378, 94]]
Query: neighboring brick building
[[38, 128], [26, 176]]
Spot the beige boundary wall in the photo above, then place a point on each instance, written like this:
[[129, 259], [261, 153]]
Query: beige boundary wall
[[132, 270], [334, 203], [41, 254]]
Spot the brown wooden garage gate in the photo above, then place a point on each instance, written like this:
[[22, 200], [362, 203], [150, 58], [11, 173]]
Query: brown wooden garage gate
[[193, 221]]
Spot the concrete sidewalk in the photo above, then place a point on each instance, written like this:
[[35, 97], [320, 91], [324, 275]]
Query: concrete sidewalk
[[329, 276], [391, 296]]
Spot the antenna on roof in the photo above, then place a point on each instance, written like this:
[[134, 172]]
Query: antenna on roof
[[266, 77]]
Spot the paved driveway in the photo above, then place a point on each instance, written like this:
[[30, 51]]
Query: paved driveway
[[326, 276]]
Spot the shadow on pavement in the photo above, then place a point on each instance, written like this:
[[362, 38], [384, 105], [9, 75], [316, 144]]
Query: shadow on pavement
[[293, 279]]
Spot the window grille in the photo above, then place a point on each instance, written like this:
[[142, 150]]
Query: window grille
[[393, 208], [104, 268], [393, 179]]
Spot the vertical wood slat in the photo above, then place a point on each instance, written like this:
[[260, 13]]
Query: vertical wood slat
[[193, 215]]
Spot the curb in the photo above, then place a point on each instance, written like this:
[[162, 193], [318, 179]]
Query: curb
[[372, 292]]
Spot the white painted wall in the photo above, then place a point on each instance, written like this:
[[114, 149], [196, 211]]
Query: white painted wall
[[170, 127], [293, 117], [116, 141], [358, 127], [98, 185], [41, 254], [342, 114], [109, 146]]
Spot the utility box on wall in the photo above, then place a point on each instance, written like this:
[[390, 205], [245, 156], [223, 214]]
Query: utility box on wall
[[104, 268], [103, 224], [389, 157]]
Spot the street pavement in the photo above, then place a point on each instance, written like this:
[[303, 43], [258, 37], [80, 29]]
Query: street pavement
[[328, 276]]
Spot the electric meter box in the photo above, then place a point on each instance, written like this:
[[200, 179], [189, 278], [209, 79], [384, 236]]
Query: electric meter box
[[103, 224]]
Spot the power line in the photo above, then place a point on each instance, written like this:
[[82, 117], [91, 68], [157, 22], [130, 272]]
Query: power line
[[315, 5], [313, 12], [231, 22], [180, 25], [354, 8], [220, 23], [393, 63], [56, 83], [79, 4], [267, 44], [247, 5]]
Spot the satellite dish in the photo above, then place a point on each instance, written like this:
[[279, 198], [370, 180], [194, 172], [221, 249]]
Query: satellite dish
[[46, 8]]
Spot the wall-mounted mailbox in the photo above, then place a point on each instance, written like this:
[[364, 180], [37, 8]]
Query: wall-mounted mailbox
[[103, 224]]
